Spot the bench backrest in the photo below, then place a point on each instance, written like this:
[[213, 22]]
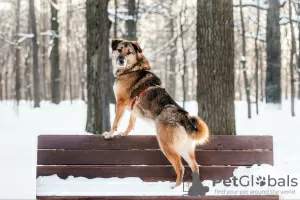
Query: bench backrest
[[91, 156]]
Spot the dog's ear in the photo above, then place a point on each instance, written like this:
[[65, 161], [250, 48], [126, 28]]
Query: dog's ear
[[136, 46], [114, 43]]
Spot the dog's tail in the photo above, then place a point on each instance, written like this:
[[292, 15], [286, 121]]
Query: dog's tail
[[200, 131]]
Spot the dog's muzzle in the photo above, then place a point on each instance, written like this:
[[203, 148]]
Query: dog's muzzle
[[120, 61]]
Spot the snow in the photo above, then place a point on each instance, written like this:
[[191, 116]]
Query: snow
[[125, 17], [243, 58], [117, 187], [285, 18], [25, 36], [19, 128], [262, 4], [254, 36]]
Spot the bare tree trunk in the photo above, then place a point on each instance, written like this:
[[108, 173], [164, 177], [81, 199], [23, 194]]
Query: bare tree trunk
[[298, 63], [273, 83], [256, 60], [262, 96], [293, 51], [6, 82], [116, 19], [54, 58], [28, 92], [166, 69], [68, 61], [172, 73], [286, 88], [286, 75], [98, 116], [240, 83], [17, 56], [2, 76], [184, 72], [44, 17], [215, 48], [1, 89], [131, 22], [35, 48], [194, 81], [247, 87], [27, 62], [82, 78]]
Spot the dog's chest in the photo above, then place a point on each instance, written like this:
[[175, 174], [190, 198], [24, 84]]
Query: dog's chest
[[121, 91], [115, 88]]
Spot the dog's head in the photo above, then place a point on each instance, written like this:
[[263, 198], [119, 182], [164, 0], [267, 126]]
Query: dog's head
[[125, 53]]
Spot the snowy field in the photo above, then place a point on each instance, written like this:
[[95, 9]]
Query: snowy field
[[19, 129]]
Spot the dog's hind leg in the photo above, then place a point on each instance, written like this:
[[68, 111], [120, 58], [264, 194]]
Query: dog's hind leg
[[188, 155], [168, 147], [175, 160]]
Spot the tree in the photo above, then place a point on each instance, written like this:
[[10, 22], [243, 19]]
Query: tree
[[215, 65], [44, 17], [293, 51], [35, 48], [172, 63], [184, 54], [131, 21], [98, 117], [68, 71], [298, 59], [273, 76], [243, 60], [54, 57], [256, 59], [17, 55]]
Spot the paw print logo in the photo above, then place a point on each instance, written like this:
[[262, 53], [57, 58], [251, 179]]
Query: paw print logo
[[197, 187], [261, 181]]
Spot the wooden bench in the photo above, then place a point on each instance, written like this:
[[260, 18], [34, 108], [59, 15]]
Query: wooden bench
[[91, 156]]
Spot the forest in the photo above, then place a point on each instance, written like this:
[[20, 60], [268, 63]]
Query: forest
[[213, 52]]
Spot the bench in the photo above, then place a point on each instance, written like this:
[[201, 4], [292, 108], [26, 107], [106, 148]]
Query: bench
[[91, 156]]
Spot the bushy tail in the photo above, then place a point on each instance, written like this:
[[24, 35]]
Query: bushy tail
[[201, 133]]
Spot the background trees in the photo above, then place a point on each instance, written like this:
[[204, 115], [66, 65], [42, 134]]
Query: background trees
[[55, 58]]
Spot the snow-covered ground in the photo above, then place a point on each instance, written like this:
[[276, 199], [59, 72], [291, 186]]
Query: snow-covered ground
[[19, 128]]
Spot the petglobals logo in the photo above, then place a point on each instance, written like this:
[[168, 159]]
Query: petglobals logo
[[246, 181]]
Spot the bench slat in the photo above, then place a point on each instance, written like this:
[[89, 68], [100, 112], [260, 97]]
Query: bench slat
[[146, 173], [243, 197], [97, 142], [149, 157]]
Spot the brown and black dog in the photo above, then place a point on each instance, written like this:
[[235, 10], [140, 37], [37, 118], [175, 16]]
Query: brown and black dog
[[140, 91]]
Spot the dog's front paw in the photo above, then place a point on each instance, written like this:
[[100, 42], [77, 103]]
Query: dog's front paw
[[125, 133], [108, 135]]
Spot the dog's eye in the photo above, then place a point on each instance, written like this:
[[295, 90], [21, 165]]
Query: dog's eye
[[129, 53], [119, 50]]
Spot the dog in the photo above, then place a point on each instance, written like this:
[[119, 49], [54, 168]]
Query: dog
[[140, 91]]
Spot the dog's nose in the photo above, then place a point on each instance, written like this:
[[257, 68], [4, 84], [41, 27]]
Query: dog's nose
[[121, 62]]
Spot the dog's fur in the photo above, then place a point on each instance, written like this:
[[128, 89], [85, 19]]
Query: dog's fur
[[178, 133]]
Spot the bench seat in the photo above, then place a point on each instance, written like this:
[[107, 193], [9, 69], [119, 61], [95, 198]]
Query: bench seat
[[92, 156]]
